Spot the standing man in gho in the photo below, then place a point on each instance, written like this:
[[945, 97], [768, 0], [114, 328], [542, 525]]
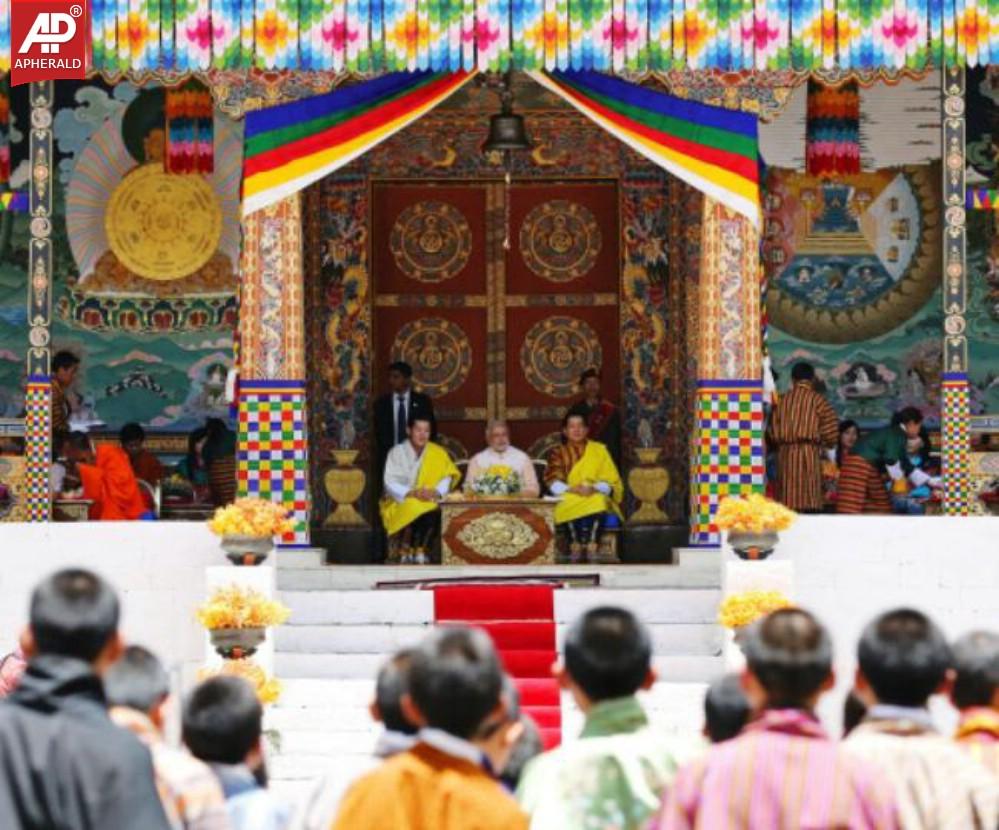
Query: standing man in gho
[[802, 428]]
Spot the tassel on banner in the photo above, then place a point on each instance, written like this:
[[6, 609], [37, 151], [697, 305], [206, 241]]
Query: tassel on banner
[[832, 129], [5, 132], [190, 129]]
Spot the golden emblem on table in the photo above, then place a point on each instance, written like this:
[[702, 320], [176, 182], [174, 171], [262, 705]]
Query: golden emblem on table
[[560, 240], [554, 353], [439, 352], [431, 241], [163, 227]]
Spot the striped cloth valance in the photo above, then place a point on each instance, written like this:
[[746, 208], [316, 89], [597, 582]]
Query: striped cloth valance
[[609, 35], [290, 146]]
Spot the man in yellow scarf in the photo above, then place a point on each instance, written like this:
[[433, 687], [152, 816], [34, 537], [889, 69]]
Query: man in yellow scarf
[[418, 474], [583, 475]]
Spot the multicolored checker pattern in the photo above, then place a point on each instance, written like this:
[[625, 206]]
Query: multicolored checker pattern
[[272, 450], [728, 457], [955, 418], [37, 447]]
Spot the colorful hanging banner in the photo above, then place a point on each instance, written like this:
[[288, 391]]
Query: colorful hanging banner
[[290, 146], [982, 198], [832, 129], [5, 131], [14, 202], [713, 149]]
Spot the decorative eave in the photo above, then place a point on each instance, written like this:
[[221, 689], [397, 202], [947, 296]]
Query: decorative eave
[[375, 36]]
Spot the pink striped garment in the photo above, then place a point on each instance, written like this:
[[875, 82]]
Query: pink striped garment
[[783, 772]]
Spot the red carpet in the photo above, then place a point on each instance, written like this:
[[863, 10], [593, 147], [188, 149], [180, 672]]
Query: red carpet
[[521, 621]]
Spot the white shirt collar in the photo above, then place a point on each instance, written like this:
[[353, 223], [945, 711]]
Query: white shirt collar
[[391, 743], [451, 745], [886, 711]]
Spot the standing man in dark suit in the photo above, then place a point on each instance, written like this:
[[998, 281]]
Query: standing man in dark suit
[[394, 409]]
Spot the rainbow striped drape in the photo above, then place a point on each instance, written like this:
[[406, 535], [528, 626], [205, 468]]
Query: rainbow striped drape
[[288, 147], [710, 148], [370, 36]]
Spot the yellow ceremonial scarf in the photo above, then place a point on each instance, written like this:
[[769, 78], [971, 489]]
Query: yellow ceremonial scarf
[[435, 465], [595, 465]]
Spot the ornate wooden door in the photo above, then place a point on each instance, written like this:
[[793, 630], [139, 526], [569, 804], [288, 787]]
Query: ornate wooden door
[[498, 305], [560, 301]]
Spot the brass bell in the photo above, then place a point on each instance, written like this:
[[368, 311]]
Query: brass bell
[[506, 132]]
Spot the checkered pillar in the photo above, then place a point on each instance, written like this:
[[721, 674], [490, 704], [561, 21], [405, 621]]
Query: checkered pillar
[[272, 454], [728, 457], [37, 452], [955, 456]]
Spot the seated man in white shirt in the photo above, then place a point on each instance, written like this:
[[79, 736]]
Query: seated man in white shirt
[[418, 474], [505, 466]]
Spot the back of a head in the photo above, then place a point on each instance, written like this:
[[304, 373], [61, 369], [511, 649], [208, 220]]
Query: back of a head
[[455, 679], [802, 371], [726, 708], [137, 680], [64, 360], [790, 653], [131, 432], [390, 687], [222, 720], [78, 441], [73, 613], [976, 669], [608, 653], [904, 657]]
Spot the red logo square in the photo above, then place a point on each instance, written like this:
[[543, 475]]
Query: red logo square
[[49, 40]]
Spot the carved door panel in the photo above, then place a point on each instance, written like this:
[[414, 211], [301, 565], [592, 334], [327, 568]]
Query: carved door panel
[[429, 257], [493, 331], [560, 300]]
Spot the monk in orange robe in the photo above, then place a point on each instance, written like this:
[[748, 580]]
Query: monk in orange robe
[[145, 465], [107, 479]]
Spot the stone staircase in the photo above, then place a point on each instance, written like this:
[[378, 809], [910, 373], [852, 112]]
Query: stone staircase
[[343, 627]]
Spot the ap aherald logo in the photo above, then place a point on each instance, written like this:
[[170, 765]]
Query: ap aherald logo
[[48, 40]]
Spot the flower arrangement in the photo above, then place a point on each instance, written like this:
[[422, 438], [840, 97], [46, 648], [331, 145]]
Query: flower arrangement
[[739, 610], [753, 514], [237, 607], [497, 480], [268, 688], [257, 518]]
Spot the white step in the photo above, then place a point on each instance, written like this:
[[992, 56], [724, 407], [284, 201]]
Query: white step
[[684, 668], [667, 638], [700, 570], [693, 605]]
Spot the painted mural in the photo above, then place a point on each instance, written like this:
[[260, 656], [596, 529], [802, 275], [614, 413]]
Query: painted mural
[[868, 378], [154, 349]]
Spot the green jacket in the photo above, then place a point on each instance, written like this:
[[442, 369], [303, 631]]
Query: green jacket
[[613, 775], [884, 447]]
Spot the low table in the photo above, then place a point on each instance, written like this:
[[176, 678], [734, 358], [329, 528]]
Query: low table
[[497, 531]]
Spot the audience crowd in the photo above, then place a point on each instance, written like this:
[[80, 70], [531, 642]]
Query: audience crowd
[[84, 735]]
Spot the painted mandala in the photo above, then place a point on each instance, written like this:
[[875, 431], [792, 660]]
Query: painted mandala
[[431, 241], [852, 259], [439, 352], [556, 351], [560, 240]]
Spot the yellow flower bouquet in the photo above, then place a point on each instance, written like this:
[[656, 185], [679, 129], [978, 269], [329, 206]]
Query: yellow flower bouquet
[[268, 688], [238, 607], [253, 517], [237, 620], [248, 527], [739, 610], [753, 514], [752, 524], [497, 480]]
